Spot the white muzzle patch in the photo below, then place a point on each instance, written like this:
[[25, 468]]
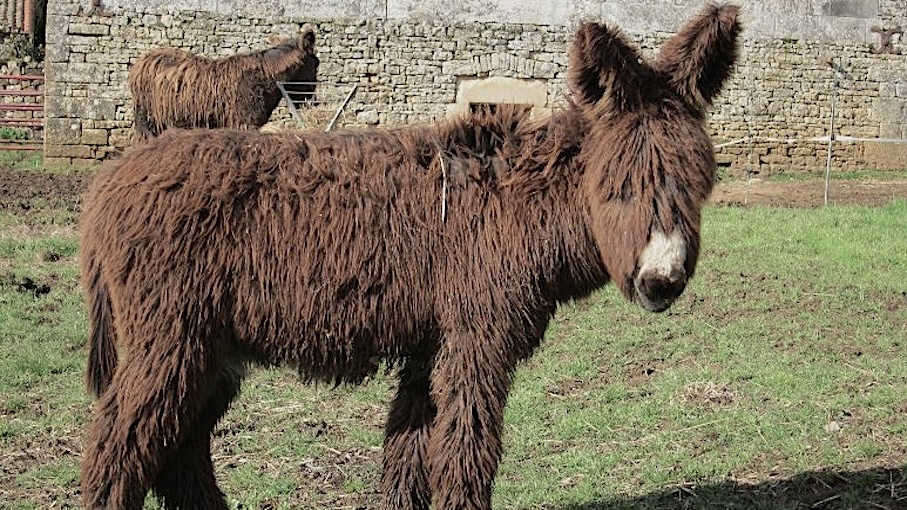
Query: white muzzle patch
[[665, 255]]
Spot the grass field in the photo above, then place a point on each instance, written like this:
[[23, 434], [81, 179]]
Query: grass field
[[778, 381]]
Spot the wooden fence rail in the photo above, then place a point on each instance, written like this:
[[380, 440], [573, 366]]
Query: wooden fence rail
[[22, 107]]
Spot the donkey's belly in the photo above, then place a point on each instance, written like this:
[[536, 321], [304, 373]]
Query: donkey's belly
[[335, 351]]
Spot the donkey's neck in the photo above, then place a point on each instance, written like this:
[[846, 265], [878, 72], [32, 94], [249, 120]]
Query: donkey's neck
[[277, 62], [519, 179]]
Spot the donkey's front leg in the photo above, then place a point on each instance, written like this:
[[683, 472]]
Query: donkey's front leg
[[470, 382]]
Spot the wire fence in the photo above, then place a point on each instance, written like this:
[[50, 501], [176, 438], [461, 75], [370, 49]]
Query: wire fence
[[830, 140]]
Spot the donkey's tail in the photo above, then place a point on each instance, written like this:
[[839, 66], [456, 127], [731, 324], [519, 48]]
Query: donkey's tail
[[102, 353]]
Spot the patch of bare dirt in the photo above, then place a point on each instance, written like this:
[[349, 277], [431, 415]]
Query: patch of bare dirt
[[44, 449], [707, 393], [24, 191], [808, 193], [26, 284]]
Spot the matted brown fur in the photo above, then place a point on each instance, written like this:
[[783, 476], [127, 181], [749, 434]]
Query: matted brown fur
[[444, 249], [176, 89]]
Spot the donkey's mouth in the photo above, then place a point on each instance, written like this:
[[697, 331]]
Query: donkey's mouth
[[661, 275], [656, 292]]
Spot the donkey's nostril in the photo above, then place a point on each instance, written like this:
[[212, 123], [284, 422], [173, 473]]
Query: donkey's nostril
[[660, 287]]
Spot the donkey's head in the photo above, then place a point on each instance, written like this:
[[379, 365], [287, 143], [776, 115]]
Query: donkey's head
[[304, 75], [649, 162]]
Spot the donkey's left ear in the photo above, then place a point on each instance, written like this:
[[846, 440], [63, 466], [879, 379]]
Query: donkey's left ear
[[700, 58], [308, 34]]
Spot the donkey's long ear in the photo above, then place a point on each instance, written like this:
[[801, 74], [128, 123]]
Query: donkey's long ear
[[604, 65], [305, 39], [701, 56], [308, 34]]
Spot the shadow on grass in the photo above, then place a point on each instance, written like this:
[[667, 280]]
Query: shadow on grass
[[877, 488]]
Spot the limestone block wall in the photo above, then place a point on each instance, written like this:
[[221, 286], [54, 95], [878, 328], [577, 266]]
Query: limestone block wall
[[412, 66], [784, 91]]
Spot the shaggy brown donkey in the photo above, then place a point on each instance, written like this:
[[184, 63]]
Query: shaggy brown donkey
[[444, 250], [175, 89]]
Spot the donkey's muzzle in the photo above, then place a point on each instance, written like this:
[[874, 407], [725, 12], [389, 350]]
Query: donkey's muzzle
[[656, 292]]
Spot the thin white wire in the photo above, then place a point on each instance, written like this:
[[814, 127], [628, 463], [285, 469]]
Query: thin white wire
[[824, 139]]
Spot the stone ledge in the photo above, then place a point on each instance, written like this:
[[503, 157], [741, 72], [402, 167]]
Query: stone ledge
[[88, 29], [885, 156]]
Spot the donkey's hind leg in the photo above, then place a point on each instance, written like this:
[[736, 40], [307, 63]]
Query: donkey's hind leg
[[186, 481], [103, 461], [404, 479], [138, 420]]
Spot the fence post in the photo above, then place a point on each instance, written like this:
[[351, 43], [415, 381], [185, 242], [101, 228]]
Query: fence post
[[831, 139], [839, 74]]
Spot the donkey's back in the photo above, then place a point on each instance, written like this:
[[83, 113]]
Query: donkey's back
[[275, 240]]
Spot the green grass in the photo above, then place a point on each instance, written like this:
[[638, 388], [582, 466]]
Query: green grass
[[840, 175], [22, 160], [22, 250], [30, 160], [12, 133], [778, 380]]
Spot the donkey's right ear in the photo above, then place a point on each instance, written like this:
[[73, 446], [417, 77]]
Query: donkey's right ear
[[700, 58], [605, 70]]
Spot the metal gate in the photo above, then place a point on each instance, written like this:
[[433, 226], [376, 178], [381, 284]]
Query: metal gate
[[22, 112], [319, 109]]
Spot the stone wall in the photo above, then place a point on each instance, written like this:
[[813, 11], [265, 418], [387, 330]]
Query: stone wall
[[784, 91], [409, 68]]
